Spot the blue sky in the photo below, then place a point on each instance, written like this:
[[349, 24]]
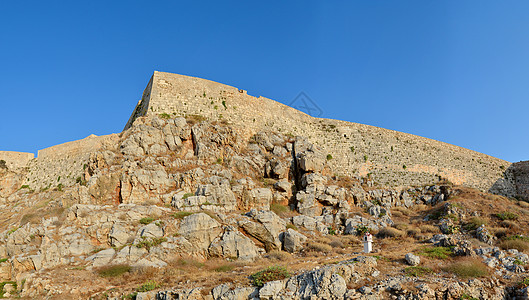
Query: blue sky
[[454, 71]]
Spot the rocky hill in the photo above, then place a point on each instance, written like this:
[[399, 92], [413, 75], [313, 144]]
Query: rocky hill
[[189, 206]]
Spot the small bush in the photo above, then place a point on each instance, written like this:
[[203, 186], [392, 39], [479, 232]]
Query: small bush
[[524, 283], [279, 209], [390, 232], [292, 226], [164, 116], [148, 286], [269, 274], [146, 221], [507, 216], [417, 271], [114, 271], [3, 260], [187, 195], [429, 228], [329, 157], [182, 214], [148, 243], [279, 255], [319, 247], [59, 187], [475, 223], [468, 268], [519, 245], [361, 229], [500, 233], [436, 252], [509, 224], [413, 232], [2, 284], [224, 268], [337, 244]]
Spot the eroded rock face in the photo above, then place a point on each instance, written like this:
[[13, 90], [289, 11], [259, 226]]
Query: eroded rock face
[[233, 244], [200, 230], [293, 241]]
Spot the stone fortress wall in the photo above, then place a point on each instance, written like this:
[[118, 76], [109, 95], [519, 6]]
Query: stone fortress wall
[[389, 157], [16, 160], [60, 164]]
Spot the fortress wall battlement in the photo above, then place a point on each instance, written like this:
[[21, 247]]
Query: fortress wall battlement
[[64, 164], [15, 160], [73, 148], [392, 158]]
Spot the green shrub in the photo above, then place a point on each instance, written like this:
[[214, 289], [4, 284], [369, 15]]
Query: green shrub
[[524, 283], [361, 229], [436, 252], [80, 180], [224, 268], [466, 296], [146, 220], [182, 214], [329, 157], [187, 195], [417, 271], [148, 286], [507, 216], [468, 269], [269, 274], [292, 226], [2, 284], [3, 260], [164, 116], [114, 271], [475, 223], [59, 187], [148, 243], [279, 209]]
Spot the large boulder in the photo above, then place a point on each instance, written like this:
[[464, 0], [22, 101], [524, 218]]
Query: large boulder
[[233, 244], [412, 259], [200, 230], [218, 192], [293, 241], [266, 229]]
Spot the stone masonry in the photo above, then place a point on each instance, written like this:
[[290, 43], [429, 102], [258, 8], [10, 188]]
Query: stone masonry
[[15, 160], [389, 157]]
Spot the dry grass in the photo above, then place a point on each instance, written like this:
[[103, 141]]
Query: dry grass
[[318, 247], [390, 232], [279, 256], [519, 245], [427, 228], [468, 268], [500, 232], [475, 222], [509, 224], [403, 211], [281, 210], [523, 204]]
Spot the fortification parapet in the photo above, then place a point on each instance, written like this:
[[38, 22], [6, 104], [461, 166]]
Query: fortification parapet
[[64, 164], [16, 160], [391, 158]]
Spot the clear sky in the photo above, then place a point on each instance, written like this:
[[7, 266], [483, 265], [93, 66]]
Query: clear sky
[[454, 71]]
